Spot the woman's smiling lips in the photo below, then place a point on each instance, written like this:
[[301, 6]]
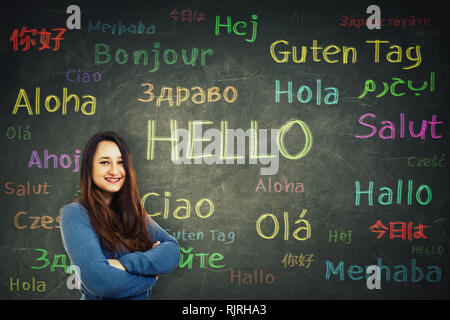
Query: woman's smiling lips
[[113, 180]]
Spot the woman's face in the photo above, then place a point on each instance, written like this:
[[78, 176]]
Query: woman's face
[[108, 171]]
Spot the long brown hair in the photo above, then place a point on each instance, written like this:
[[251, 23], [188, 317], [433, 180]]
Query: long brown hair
[[122, 224]]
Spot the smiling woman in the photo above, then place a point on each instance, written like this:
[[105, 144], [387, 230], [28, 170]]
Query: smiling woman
[[108, 172], [119, 250]]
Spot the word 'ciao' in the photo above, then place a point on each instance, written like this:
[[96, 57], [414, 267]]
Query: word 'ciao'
[[222, 144]]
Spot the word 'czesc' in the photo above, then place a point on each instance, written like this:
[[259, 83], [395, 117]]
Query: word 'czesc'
[[223, 142]]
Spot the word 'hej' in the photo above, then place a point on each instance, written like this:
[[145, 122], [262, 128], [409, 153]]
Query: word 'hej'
[[282, 53], [223, 141]]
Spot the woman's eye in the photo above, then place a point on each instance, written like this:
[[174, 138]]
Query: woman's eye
[[104, 162]]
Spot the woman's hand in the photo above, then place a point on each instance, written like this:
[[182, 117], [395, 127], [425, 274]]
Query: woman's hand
[[116, 264], [154, 246]]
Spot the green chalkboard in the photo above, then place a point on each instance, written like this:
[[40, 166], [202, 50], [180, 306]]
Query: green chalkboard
[[305, 146]]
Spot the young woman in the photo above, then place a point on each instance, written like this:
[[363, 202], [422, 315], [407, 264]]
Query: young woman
[[118, 249]]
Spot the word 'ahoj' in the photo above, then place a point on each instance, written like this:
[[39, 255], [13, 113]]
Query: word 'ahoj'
[[190, 147]]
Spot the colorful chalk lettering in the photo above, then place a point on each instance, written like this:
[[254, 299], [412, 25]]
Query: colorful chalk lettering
[[26, 189], [65, 160], [400, 230], [28, 38], [387, 130], [204, 208], [239, 28], [187, 15], [22, 220], [197, 95], [305, 93], [423, 194], [305, 230], [21, 286], [255, 277], [22, 101], [278, 186], [102, 55], [120, 28], [398, 273]]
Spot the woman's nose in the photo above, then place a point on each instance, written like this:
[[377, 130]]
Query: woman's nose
[[113, 169]]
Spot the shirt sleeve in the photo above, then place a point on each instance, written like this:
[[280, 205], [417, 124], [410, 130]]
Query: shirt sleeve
[[157, 261], [97, 276]]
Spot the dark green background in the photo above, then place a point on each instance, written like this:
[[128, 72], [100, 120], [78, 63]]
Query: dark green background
[[329, 171]]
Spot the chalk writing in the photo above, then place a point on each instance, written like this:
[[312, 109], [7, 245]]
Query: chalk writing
[[12, 133], [412, 21], [386, 194], [301, 261], [399, 229], [238, 28], [20, 285], [120, 28], [370, 86], [170, 56], [27, 189], [428, 250], [189, 259], [356, 272], [393, 56], [389, 127], [54, 106], [256, 278], [204, 208], [44, 262], [187, 15], [429, 162], [213, 94], [65, 161], [277, 186], [191, 144], [307, 18], [26, 38], [35, 222], [283, 56], [305, 229], [214, 235], [345, 237], [305, 94], [73, 75]]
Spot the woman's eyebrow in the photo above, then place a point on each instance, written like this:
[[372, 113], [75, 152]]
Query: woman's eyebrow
[[120, 157]]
